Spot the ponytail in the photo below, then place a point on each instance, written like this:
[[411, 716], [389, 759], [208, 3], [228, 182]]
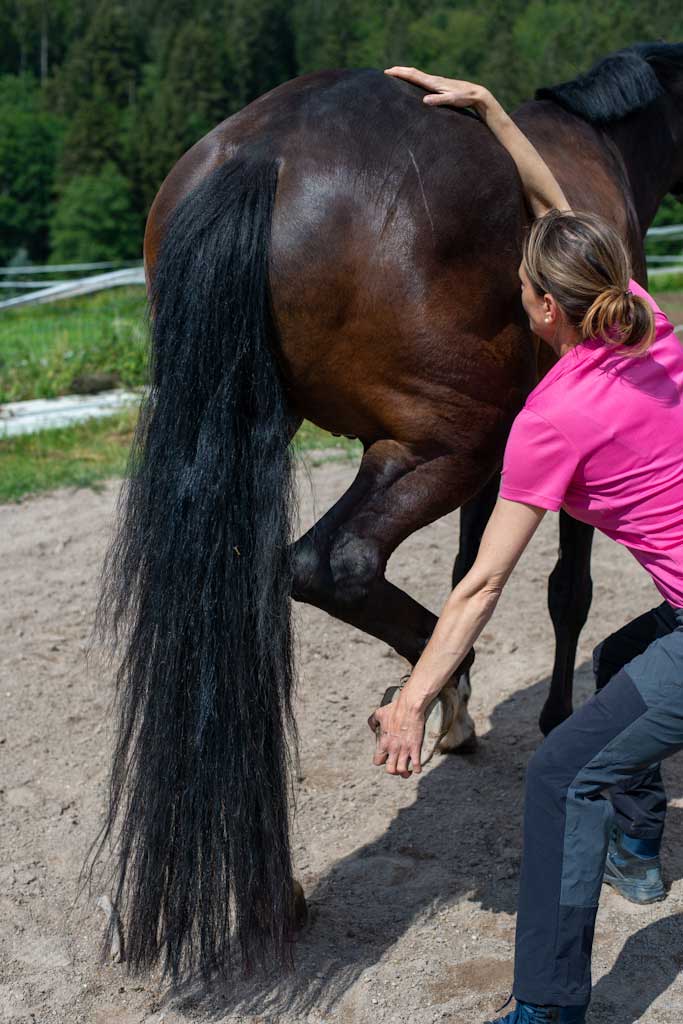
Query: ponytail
[[620, 318]]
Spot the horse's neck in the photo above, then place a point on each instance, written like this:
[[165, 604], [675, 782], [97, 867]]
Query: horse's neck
[[645, 143], [634, 159], [588, 165]]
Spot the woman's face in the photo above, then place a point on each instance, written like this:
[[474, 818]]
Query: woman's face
[[542, 310]]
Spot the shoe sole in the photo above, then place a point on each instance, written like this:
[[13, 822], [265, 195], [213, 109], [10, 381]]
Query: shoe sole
[[616, 885]]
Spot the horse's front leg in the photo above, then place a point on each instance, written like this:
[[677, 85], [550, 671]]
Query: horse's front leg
[[570, 589]]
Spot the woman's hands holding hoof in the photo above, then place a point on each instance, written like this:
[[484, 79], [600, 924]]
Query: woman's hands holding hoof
[[400, 733], [444, 92]]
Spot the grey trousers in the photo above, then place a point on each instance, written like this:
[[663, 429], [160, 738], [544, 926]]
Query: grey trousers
[[640, 802], [610, 747]]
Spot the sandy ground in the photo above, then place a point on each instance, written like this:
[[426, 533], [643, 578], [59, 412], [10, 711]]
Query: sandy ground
[[412, 884]]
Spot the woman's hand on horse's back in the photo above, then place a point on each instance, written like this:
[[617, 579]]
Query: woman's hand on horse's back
[[443, 92]]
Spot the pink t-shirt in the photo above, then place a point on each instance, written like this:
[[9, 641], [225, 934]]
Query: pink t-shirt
[[601, 436]]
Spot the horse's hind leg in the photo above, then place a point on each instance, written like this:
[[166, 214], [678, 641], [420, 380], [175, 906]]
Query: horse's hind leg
[[339, 564]]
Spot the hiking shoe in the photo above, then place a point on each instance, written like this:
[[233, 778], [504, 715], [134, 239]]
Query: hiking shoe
[[638, 879], [529, 1013]]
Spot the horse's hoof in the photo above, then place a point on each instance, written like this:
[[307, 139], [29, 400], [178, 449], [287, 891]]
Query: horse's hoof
[[460, 737], [438, 721], [550, 718]]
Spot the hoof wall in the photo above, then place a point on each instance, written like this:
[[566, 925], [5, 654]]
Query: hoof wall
[[464, 749]]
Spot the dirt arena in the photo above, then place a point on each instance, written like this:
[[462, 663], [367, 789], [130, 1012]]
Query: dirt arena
[[412, 884]]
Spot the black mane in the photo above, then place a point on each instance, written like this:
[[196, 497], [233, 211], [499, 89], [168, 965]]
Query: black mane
[[620, 84]]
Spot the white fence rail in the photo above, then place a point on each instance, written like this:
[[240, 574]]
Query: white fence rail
[[47, 413], [666, 231], [656, 271], [16, 285], [50, 291], [657, 266], [52, 268]]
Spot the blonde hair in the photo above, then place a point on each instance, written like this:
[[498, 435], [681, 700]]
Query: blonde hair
[[581, 261]]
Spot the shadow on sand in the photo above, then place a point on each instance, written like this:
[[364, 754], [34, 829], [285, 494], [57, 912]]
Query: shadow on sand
[[459, 841], [648, 963]]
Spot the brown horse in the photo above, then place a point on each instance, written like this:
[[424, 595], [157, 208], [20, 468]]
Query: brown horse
[[341, 252]]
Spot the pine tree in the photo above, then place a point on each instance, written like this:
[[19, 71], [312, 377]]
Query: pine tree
[[106, 59], [92, 138], [261, 47], [29, 140], [10, 56], [94, 219], [135, 83], [176, 108], [97, 85]]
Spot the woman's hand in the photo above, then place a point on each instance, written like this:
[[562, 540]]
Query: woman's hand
[[542, 190], [444, 92], [401, 732]]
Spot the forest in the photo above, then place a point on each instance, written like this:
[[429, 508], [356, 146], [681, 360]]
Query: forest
[[99, 98]]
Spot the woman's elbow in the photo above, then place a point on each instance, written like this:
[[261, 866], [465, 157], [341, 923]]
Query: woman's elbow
[[483, 593]]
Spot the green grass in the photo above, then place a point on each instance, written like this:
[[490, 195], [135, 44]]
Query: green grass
[[52, 350], [324, 446], [665, 283], [79, 456], [45, 350], [86, 454]]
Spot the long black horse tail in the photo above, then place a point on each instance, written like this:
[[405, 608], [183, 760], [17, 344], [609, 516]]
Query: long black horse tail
[[196, 594]]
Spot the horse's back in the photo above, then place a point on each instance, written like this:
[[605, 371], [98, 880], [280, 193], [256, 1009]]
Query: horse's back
[[362, 142], [394, 245]]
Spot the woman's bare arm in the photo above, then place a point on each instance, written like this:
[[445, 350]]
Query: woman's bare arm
[[542, 189], [466, 612]]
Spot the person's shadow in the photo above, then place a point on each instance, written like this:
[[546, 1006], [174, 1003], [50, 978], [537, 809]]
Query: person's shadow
[[459, 841], [648, 964]]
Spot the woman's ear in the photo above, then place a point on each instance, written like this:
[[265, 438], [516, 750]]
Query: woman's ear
[[550, 310]]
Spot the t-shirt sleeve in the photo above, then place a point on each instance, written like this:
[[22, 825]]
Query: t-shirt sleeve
[[662, 323], [539, 463]]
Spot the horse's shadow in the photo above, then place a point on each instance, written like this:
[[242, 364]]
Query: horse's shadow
[[459, 840]]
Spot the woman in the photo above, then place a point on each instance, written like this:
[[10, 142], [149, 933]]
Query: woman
[[601, 437]]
